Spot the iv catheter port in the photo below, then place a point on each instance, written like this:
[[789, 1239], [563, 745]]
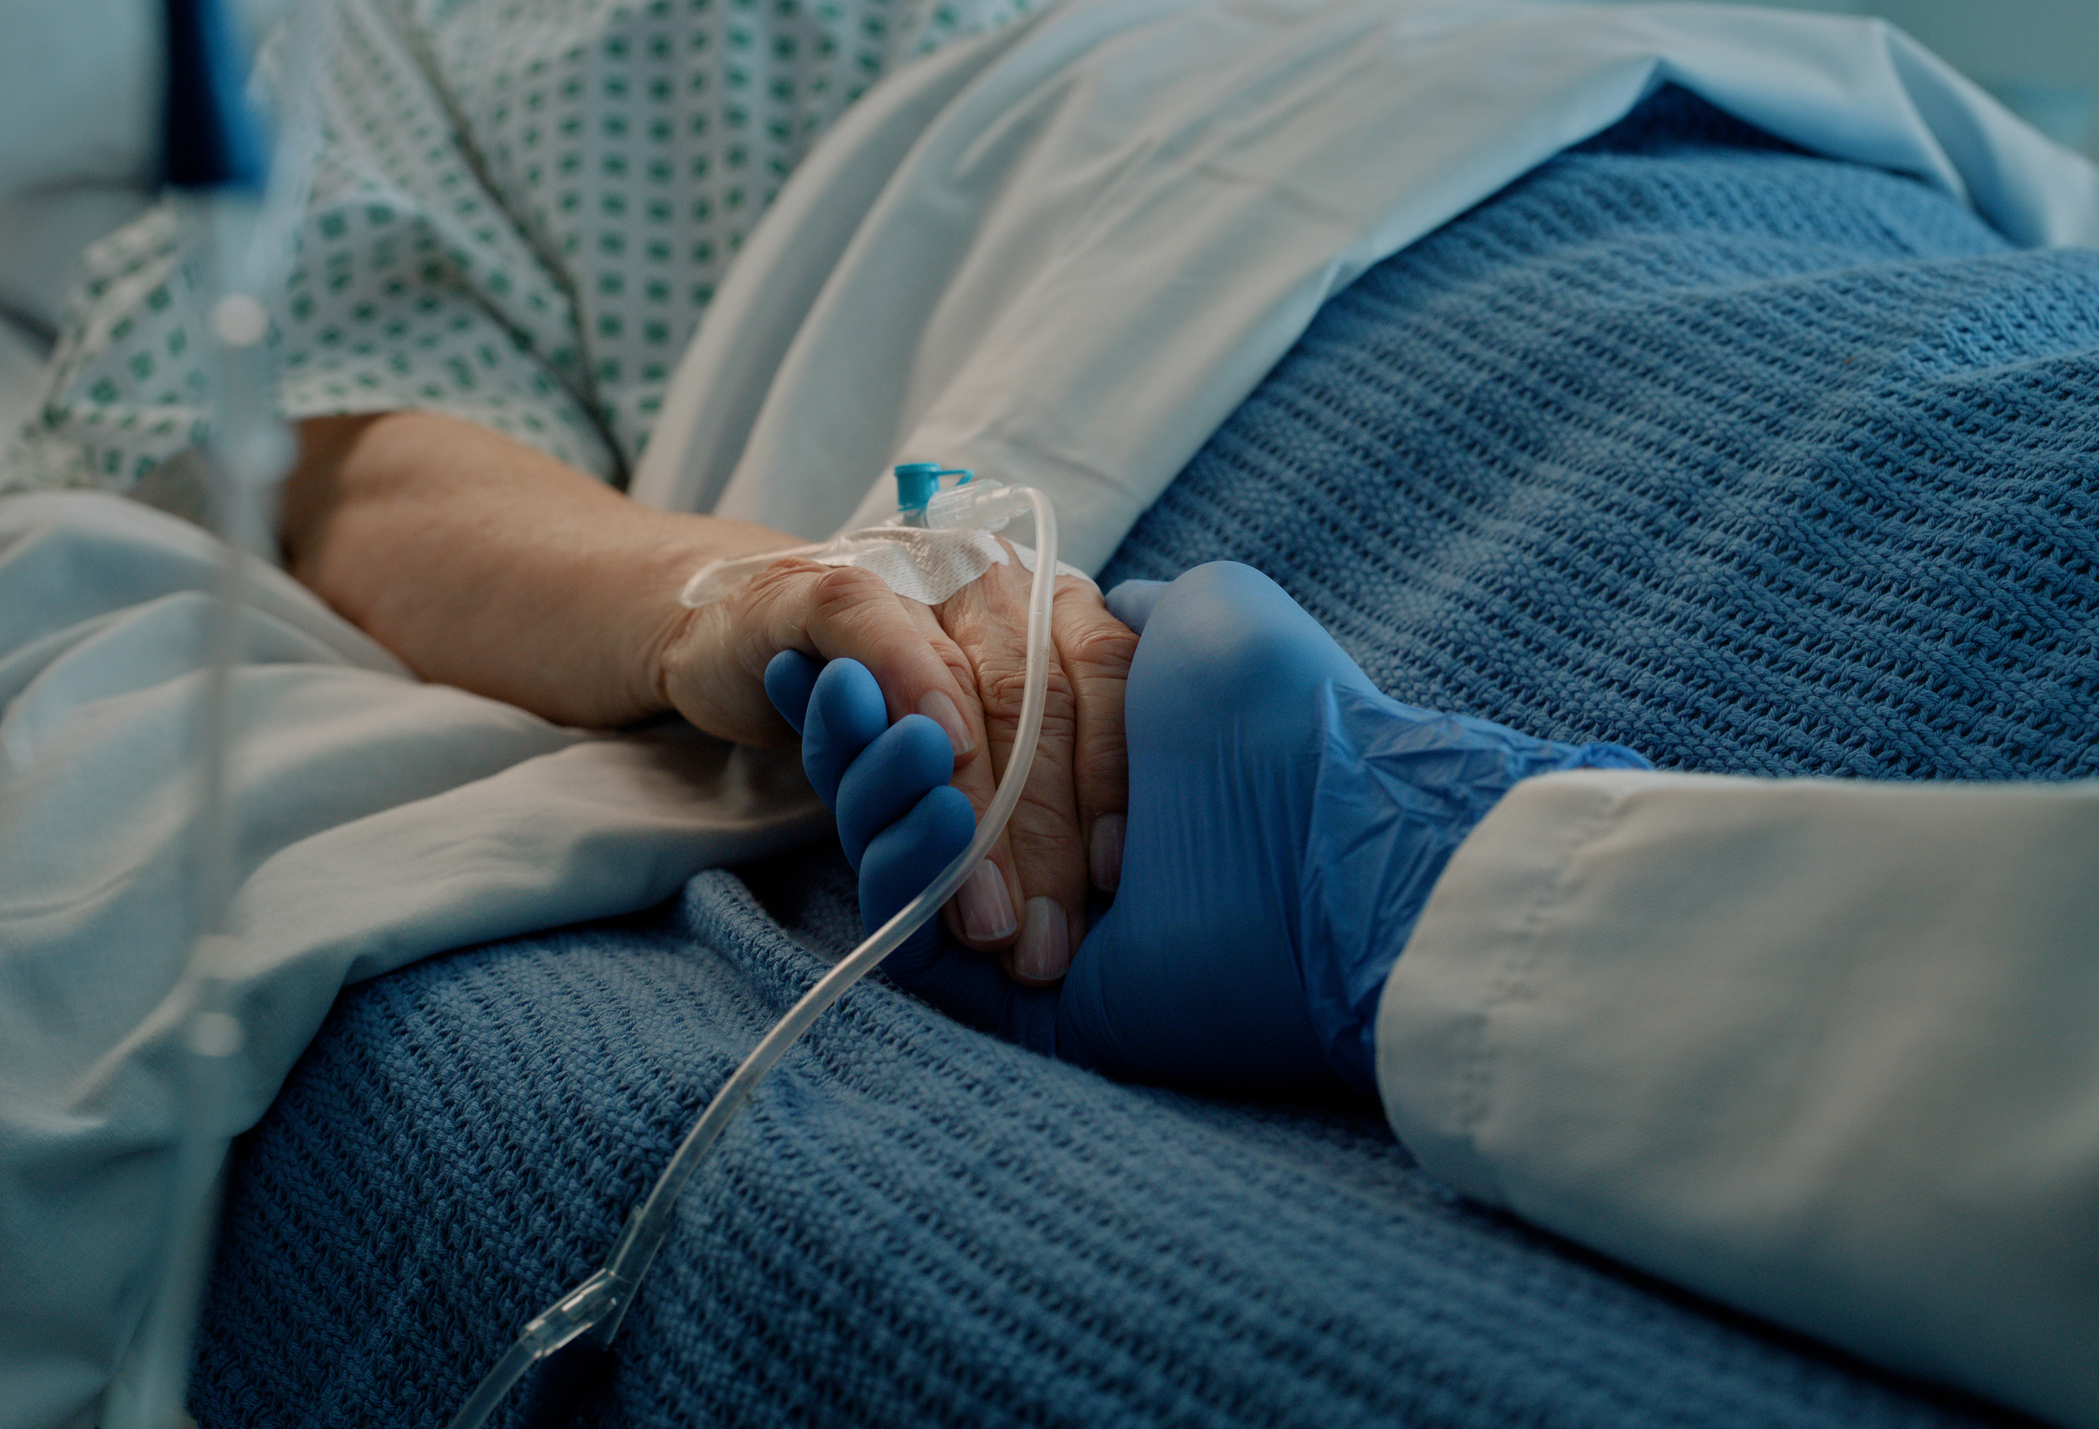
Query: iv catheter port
[[571, 1340]]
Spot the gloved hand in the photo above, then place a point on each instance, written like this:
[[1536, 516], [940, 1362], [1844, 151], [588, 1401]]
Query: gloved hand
[[900, 822], [1287, 823]]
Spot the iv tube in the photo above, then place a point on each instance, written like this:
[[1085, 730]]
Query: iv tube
[[218, 163], [596, 1307]]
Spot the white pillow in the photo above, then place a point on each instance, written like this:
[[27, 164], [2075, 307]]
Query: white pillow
[[79, 93], [80, 86]]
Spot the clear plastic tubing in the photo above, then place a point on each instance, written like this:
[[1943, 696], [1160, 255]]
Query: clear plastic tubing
[[596, 1307], [217, 161]]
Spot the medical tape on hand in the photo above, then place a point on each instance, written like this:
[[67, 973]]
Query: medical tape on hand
[[921, 565]]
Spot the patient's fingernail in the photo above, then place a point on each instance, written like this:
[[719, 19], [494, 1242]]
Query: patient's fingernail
[[1104, 850], [938, 708], [987, 909], [1044, 951]]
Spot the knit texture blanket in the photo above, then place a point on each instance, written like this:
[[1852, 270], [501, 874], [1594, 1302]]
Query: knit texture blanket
[[1753, 461]]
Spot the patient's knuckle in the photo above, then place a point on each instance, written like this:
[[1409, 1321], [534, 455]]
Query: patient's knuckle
[[1053, 772], [1100, 648], [836, 590], [778, 588], [952, 656], [1041, 832], [762, 586], [1002, 687], [1100, 769]]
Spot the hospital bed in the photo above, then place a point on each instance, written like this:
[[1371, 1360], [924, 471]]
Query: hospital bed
[[1758, 462]]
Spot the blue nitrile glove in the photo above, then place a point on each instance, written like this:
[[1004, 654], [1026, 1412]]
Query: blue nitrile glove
[[1286, 825], [900, 822]]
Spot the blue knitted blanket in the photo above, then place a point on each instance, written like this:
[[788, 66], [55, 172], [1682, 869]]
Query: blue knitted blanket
[[1751, 460]]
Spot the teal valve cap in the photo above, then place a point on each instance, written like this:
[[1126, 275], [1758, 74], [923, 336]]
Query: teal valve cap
[[916, 482]]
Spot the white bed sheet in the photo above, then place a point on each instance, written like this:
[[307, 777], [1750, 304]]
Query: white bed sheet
[[1065, 253], [381, 820]]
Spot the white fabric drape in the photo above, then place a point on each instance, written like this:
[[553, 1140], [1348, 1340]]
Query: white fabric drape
[[381, 820], [1063, 253], [1821, 1049]]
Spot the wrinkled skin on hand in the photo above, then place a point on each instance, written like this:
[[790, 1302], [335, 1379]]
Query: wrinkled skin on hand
[[962, 665], [488, 565], [1287, 823]]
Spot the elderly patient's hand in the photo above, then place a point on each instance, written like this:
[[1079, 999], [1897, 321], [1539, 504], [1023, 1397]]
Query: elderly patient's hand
[[491, 566], [1287, 823], [960, 664]]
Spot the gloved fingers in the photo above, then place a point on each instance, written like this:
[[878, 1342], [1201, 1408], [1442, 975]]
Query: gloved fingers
[[790, 678], [1131, 602], [986, 902], [902, 823], [897, 864], [1193, 976], [846, 713], [1042, 850], [906, 855], [890, 776], [867, 782], [967, 986], [1226, 640], [1095, 650]]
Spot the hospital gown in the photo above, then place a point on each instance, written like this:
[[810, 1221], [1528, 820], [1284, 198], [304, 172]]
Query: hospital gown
[[519, 211]]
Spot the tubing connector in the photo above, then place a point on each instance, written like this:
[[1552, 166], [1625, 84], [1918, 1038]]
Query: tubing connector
[[982, 503], [986, 505]]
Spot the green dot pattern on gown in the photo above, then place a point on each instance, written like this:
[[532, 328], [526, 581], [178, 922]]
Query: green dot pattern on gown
[[518, 213]]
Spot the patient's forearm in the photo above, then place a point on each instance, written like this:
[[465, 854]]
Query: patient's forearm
[[487, 565], [484, 564]]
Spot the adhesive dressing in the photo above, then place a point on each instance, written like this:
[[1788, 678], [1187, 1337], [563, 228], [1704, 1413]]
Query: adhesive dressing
[[914, 557]]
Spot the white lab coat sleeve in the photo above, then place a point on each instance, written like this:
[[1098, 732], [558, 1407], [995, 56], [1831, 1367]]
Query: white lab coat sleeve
[[1827, 1051]]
